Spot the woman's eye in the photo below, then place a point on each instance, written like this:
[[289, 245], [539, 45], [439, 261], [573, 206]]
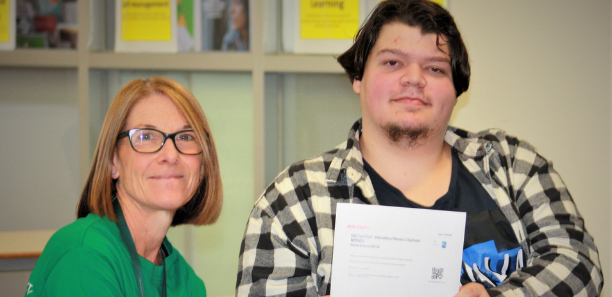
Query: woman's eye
[[186, 137], [145, 136]]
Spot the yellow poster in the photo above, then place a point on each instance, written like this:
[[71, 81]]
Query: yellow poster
[[329, 19], [440, 2], [145, 20], [5, 23]]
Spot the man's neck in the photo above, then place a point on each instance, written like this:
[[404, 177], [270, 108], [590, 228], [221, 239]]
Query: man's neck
[[421, 170], [148, 228]]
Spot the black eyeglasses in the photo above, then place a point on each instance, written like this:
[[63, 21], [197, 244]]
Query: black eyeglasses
[[151, 141]]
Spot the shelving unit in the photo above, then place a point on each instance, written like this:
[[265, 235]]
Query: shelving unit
[[39, 58], [267, 72], [256, 62], [214, 61]]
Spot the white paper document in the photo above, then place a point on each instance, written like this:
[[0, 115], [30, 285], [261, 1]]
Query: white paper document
[[396, 251]]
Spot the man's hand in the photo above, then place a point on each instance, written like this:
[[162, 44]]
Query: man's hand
[[472, 290]]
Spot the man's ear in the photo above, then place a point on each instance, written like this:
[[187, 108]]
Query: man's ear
[[357, 86]]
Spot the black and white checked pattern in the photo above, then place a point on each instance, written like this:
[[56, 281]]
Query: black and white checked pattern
[[288, 242]]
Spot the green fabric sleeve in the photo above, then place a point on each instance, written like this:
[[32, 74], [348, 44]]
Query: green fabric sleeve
[[83, 272]]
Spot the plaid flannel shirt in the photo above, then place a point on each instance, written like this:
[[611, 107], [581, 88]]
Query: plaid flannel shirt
[[288, 242]]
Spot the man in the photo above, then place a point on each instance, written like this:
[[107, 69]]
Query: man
[[524, 235]]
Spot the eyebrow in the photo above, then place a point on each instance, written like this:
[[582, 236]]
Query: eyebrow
[[405, 55], [186, 127]]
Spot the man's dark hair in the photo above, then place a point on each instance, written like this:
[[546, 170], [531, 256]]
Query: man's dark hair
[[424, 14]]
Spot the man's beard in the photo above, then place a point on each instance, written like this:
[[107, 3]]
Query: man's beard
[[407, 135]]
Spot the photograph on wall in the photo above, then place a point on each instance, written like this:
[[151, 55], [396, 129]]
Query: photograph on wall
[[225, 25], [186, 24], [46, 23]]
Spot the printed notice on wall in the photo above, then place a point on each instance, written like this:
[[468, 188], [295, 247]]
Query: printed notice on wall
[[146, 20], [443, 3], [7, 24], [322, 27], [5, 31], [336, 19], [396, 251], [146, 26]]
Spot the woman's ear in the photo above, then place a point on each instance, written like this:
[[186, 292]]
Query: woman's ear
[[115, 166]]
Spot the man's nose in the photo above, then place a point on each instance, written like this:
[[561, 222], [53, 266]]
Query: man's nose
[[413, 75]]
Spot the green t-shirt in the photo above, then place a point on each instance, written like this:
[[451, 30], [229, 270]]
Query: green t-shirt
[[88, 258]]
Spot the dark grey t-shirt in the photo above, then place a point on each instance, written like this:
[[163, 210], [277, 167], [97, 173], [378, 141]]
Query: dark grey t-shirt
[[490, 250]]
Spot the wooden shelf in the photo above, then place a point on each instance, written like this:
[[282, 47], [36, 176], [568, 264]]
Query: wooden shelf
[[298, 63], [206, 61], [23, 244], [40, 58], [203, 61]]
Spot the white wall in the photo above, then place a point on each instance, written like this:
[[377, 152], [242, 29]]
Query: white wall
[[541, 71], [39, 170]]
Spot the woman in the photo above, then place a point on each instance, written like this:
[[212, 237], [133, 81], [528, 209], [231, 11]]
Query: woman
[[155, 166]]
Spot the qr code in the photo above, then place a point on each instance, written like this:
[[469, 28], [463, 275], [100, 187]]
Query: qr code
[[437, 273]]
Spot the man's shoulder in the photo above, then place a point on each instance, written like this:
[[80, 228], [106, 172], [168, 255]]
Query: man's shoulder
[[490, 134], [327, 162], [313, 165], [497, 141], [497, 137], [304, 178]]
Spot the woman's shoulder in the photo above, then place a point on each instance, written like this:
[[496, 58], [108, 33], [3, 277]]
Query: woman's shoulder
[[90, 231], [86, 247], [92, 235]]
